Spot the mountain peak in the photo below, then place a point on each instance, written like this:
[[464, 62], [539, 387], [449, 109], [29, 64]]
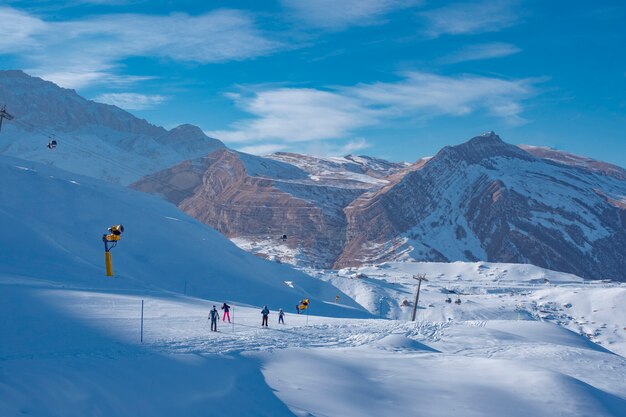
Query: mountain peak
[[190, 137], [187, 131], [487, 145]]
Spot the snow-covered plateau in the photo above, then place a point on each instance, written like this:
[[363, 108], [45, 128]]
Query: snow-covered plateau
[[523, 341]]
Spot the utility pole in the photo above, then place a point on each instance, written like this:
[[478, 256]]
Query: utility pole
[[419, 278]]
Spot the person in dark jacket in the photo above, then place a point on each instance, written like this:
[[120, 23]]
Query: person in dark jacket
[[213, 316], [226, 309], [265, 312], [281, 316]]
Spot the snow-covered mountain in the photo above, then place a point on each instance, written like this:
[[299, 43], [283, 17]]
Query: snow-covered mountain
[[94, 139], [488, 200], [257, 200]]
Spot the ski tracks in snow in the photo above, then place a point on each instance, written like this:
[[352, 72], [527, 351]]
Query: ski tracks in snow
[[251, 338]]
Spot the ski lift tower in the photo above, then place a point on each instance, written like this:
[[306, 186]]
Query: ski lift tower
[[4, 115], [419, 278]]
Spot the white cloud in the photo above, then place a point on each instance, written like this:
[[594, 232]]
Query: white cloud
[[288, 115], [353, 146], [297, 115], [131, 101], [337, 15], [427, 95], [91, 49], [17, 30], [471, 17], [482, 51], [264, 149]]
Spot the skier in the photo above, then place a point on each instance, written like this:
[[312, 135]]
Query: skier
[[265, 312], [298, 308], [226, 309], [281, 315], [213, 316]]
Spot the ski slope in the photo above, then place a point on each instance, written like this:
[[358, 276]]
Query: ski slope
[[73, 345], [55, 221], [77, 352]]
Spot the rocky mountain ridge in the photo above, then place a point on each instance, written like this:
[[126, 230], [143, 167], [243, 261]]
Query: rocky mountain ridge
[[488, 200]]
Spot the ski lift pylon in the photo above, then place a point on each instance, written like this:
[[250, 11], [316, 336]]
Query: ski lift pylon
[[4, 115]]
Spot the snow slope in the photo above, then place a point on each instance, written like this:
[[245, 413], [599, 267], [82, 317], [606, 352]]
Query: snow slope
[[77, 353], [55, 221], [489, 291]]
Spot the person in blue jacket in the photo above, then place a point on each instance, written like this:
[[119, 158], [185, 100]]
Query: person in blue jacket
[[265, 312], [281, 316], [214, 316]]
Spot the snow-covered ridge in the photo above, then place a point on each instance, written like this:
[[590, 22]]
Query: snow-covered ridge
[[578, 161], [94, 139]]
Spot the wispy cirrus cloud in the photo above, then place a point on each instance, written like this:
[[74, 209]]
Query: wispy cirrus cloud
[[482, 51], [290, 115], [131, 101], [18, 30], [338, 15], [83, 51], [471, 17]]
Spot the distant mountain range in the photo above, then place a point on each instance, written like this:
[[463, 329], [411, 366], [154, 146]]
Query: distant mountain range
[[481, 200]]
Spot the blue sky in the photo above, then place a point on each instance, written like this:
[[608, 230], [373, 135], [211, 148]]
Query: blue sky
[[388, 78]]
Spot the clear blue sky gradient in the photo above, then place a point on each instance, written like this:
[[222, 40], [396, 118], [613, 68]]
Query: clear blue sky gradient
[[386, 78]]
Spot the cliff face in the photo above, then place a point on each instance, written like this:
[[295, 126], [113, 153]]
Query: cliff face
[[487, 200]]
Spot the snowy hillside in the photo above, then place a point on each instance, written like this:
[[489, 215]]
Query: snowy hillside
[[489, 291], [94, 139], [56, 221], [77, 352]]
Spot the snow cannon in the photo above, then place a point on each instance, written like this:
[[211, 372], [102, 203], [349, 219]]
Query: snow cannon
[[110, 241], [302, 305], [115, 233]]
